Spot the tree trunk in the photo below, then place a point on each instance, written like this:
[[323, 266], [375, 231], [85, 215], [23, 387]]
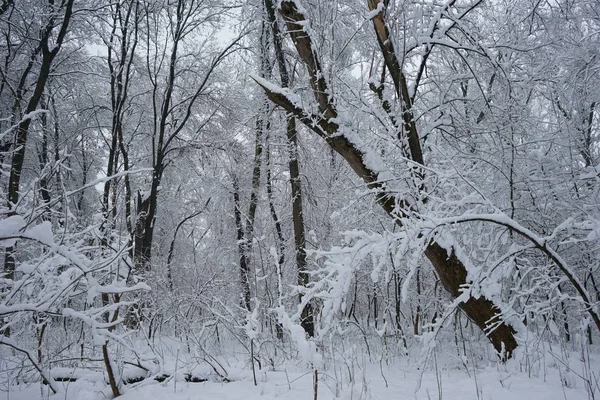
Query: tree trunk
[[481, 311], [307, 319], [244, 267], [280, 239]]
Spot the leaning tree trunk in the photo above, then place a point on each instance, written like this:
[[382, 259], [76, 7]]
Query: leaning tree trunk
[[450, 269]]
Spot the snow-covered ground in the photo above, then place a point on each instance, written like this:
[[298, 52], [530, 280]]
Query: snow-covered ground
[[401, 380]]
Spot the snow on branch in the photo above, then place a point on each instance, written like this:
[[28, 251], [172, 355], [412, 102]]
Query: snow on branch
[[539, 242], [31, 115]]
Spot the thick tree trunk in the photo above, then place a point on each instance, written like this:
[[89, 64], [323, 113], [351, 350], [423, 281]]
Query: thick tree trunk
[[244, 267], [307, 321], [481, 311], [144, 227], [280, 238]]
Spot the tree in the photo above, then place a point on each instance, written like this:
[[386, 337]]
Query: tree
[[294, 169], [52, 33], [447, 264], [176, 90]]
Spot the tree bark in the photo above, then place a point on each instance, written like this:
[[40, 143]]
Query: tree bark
[[244, 267], [307, 319], [280, 239]]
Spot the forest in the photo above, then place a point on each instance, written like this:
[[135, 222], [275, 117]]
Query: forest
[[299, 199]]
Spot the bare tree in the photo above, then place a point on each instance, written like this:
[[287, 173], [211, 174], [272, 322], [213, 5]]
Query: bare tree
[[172, 105], [294, 169], [51, 34], [448, 266]]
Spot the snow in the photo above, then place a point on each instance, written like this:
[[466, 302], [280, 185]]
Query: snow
[[399, 380], [9, 228], [306, 348], [541, 243], [252, 322], [42, 233], [375, 12], [271, 87], [32, 115]]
